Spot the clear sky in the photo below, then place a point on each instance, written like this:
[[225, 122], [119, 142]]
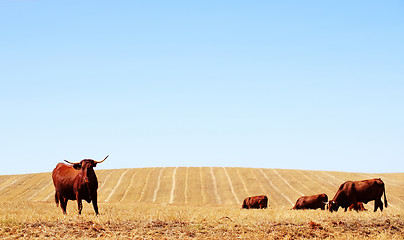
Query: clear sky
[[313, 85]]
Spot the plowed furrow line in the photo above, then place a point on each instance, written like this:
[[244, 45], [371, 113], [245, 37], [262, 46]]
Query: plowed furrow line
[[287, 183], [397, 198], [17, 186], [231, 185], [40, 190], [275, 187], [158, 185], [47, 197], [145, 184], [9, 184], [366, 176], [242, 181], [337, 180], [32, 188], [315, 183], [116, 186], [203, 187], [130, 186], [173, 186], [326, 180], [318, 183], [256, 180], [309, 191], [41, 181], [186, 186], [37, 184], [215, 186], [106, 179]]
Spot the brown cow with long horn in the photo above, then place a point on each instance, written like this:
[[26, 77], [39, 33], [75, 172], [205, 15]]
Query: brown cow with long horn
[[76, 182]]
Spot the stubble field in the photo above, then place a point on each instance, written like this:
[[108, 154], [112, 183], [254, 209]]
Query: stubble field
[[196, 202]]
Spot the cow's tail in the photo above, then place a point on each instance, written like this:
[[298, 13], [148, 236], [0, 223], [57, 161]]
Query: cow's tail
[[56, 199], [385, 198]]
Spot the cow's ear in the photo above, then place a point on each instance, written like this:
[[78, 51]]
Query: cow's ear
[[77, 166], [94, 164]]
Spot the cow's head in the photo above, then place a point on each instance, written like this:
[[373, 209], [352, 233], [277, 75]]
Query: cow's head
[[333, 206], [86, 166]]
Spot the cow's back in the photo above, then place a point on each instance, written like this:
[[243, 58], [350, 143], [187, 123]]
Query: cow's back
[[369, 189]]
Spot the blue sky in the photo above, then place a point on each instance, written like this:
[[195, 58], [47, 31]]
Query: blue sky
[[271, 84]]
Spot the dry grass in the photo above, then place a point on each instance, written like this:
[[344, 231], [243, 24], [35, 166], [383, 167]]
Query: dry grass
[[122, 221], [186, 203]]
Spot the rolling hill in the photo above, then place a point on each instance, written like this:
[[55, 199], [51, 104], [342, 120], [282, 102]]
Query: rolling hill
[[198, 186]]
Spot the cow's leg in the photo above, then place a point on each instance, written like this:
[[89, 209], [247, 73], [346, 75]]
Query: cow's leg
[[57, 199], [79, 205], [378, 204], [63, 204], [346, 209], [375, 209], [95, 205]]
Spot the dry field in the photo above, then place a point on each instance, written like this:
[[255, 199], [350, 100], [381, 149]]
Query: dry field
[[194, 202]]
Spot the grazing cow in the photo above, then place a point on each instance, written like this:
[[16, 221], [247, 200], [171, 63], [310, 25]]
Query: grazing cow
[[312, 202], [76, 182], [357, 207], [255, 202], [351, 192]]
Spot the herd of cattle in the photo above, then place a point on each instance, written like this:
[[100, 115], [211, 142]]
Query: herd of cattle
[[350, 195], [78, 181]]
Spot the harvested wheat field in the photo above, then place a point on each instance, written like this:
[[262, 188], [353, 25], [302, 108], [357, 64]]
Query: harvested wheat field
[[196, 202]]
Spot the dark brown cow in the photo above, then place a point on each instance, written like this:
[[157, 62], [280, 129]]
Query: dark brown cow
[[312, 202], [76, 182], [357, 207], [351, 192], [255, 202]]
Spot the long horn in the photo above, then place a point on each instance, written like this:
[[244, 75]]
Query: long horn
[[102, 160], [325, 202], [71, 162]]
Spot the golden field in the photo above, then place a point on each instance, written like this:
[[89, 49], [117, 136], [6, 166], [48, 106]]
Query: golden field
[[196, 202]]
